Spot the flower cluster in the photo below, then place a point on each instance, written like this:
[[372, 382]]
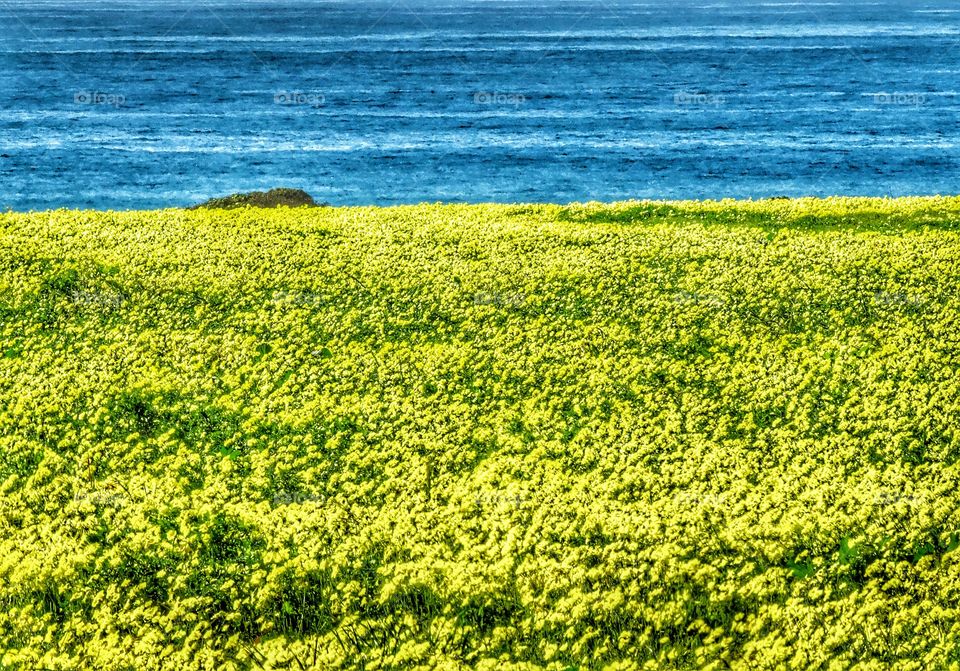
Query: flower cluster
[[633, 436]]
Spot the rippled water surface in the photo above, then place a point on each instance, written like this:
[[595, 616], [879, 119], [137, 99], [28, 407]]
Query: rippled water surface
[[150, 104]]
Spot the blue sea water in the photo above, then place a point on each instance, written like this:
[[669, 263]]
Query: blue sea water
[[136, 104]]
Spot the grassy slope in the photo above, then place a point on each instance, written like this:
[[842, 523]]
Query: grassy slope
[[693, 435]]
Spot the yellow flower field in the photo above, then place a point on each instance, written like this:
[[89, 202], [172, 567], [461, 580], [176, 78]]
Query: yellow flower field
[[633, 436]]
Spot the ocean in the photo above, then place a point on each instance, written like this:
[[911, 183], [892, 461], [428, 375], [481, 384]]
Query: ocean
[[134, 104]]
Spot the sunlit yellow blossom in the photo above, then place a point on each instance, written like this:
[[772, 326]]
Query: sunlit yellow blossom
[[633, 436]]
